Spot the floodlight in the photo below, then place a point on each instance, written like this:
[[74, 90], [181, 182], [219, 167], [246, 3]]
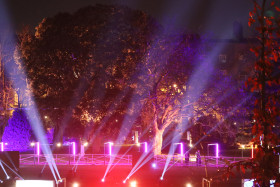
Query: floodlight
[[133, 184], [75, 185]]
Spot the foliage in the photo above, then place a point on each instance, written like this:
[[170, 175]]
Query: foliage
[[77, 64], [265, 85], [18, 132], [104, 65], [182, 91]]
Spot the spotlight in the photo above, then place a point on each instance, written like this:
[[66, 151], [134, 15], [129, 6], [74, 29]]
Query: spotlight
[[103, 180], [8, 177], [86, 144], [191, 145], [133, 184], [138, 144], [154, 165], [124, 181], [60, 181], [32, 144], [58, 144], [189, 185], [161, 178], [46, 117], [75, 185]]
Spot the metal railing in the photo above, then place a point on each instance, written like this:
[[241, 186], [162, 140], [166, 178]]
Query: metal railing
[[105, 159], [69, 159]]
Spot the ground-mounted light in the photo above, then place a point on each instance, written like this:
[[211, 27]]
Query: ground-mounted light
[[8, 177], [188, 185], [58, 144], [133, 184], [154, 165], [32, 144], [161, 178], [103, 180], [190, 145], [138, 144], [124, 181], [76, 184]]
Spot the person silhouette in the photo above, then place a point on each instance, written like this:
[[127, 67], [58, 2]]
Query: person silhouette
[[198, 158]]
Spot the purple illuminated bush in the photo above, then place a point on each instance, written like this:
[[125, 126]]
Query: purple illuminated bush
[[18, 132]]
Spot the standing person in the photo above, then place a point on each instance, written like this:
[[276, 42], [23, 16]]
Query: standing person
[[187, 158], [198, 158]]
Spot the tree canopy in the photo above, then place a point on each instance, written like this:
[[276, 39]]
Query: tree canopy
[[110, 66]]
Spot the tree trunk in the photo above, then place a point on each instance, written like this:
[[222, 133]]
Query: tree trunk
[[157, 143]]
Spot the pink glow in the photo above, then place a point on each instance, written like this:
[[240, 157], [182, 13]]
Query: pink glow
[[110, 144], [252, 151], [217, 150], [182, 149], [2, 146], [38, 148], [74, 148], [110, 148], [146, 147]]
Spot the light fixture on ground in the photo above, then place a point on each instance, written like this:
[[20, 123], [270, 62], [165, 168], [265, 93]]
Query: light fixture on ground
[[133, 184], [154, 165], [103, 180], [75, 185], [188, 185]]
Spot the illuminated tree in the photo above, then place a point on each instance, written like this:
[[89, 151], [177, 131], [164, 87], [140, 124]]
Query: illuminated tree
[[179, 93], [12, 95], [18, 132], [265, 85], [77, 64]]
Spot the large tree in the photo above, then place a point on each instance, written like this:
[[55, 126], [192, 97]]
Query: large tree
[[183, 89], [79, 62]]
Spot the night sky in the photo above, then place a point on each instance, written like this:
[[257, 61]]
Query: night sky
[[211, 16]]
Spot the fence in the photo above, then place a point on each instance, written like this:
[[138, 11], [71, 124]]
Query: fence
[[105, 159]]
